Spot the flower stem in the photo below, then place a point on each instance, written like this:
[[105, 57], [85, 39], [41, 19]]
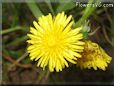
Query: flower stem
[[88, 11], [18, 60], [43, 76]]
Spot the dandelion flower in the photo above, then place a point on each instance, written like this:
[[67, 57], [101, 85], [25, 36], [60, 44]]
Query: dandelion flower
[[54, 43], [93, 56]]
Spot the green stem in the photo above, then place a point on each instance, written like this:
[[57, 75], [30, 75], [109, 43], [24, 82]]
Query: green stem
[[88, 11], [19, 59], [43, 76], [47, 74]]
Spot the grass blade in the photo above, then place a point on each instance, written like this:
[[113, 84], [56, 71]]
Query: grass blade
[[12, 29], [34, 8], [17, 41], [65, 5], [48, 2]]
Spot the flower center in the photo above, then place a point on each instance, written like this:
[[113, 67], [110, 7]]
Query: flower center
[[51, 42]]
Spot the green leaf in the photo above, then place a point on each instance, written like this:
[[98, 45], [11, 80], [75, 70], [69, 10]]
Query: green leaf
[[13, 29], [17, 41], [86, 27], [48, 2], [34, 8], [15, 54], [85, 35], [26, 61], [65, 5]]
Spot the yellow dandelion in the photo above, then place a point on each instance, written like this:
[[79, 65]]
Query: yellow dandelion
[[93, 56], [54, 43]]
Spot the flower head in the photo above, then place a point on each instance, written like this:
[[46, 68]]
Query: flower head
[[54, 43], [93, 56]]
